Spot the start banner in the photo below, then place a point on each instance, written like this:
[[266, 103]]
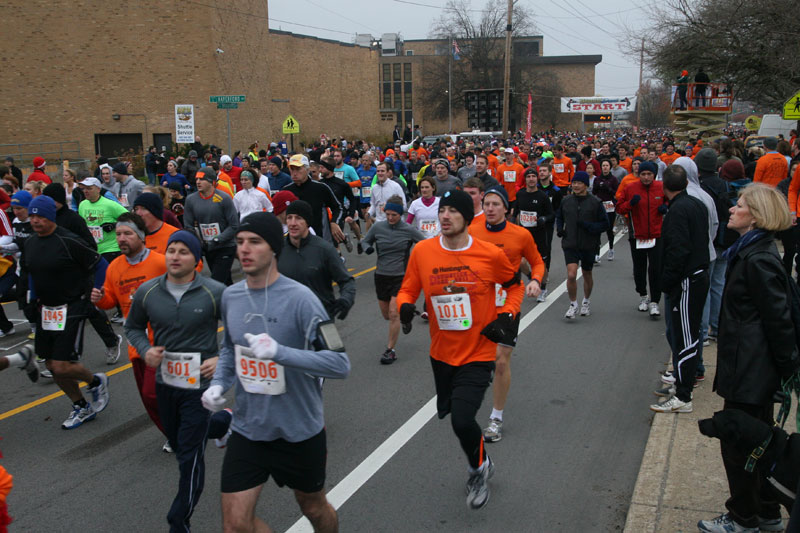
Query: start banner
[[598, 104]]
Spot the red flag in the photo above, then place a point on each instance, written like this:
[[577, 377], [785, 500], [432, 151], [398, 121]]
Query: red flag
[[530, 110]]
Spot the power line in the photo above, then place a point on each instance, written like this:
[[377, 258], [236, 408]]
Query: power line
[[341, 16]]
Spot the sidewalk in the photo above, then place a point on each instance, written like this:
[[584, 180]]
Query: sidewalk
[[681, 480]]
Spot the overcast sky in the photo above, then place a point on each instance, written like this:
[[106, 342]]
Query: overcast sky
[[564, 31]]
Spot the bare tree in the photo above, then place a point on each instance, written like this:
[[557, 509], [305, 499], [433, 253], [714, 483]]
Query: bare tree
[[750, 45], [654, 104]]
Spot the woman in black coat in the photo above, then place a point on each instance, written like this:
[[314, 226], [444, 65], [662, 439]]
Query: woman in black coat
[[756, 345]]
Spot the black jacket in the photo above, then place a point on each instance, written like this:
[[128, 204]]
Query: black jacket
[[581, 220], [71, 220], [320, 196], [756, 343], [539, 203], [721, 192], [684, 235]]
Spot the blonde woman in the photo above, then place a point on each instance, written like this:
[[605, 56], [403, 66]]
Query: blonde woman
[[70, 179]]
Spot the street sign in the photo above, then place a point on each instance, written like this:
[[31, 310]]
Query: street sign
[[227, 105], [791, 109], [229, 98], [290, 125]]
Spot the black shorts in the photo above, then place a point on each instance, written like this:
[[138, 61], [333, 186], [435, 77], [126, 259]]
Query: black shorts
[[297, 465], [511, 338], [387, 286], [466, 382], [586, 259], [64, 345]]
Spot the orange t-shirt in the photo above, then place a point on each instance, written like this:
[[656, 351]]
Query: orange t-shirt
[[509, 176], [668, 159], [627, 180], [157, 241], [122, 280], [771, 168], [627, 164], [563, 170], [516, 242], [794, 191], [442, 273], [226, 179], [493, 164]]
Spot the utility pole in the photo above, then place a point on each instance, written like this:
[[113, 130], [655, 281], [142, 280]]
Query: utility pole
[[507, 73], [450, 87], [639, 92]]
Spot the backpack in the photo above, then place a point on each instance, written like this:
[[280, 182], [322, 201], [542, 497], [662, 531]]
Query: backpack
[[723, 202]]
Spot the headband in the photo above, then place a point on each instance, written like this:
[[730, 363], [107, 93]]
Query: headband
[[133, 226]]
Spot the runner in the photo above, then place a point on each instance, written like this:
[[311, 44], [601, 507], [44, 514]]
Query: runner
[[512, 174], [343, 194], [474, 187], [278, 426], [580, 220], [61, 269], [562, 168], [537, 216], [366, 172], [444, 180], [213, 216], [249, 199], [319, 196], [423, 212], [458, 274], [100, 215], [604, 187], [25, 360], [184, 352], [393, 238], [516, 243], [383, 189]]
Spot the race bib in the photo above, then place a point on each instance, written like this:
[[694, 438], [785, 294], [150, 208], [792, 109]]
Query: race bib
[[558, 168], [356, 191], [366, 192], [123, 199], [97, 233], [429, 227], [54, 318], [210, 231], [528, 219], [642, 244], [181, 369], [258, 376], [509, 176], [338, 173], [609, 205], [499, 295], [453, 311]]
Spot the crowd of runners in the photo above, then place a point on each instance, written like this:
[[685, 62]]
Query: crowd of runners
[[468, 225]]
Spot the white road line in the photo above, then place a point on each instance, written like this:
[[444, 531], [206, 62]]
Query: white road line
[[342, 492]]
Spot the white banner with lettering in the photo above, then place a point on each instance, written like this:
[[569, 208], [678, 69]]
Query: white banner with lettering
[[184, 123], [598, 104]]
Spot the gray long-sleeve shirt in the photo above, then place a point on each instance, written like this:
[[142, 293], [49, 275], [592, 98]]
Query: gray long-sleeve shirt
[[289, 312], [393, 244], [215, 215]]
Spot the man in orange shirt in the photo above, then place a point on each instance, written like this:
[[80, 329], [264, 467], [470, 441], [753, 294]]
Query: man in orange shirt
[[509, 174], [670, 155], [136, 265], [458, 274], [624, 161], [562, 167], [516, 242], [771, 167], [157, 233]]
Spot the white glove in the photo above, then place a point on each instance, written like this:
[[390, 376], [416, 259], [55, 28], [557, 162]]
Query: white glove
[[263, 346], [212, 398]]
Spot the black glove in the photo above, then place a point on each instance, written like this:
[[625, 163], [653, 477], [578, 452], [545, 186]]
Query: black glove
[[663, 208], [708, 428], [560, 233], [369, 250], [109, 226], [407, 312], [499, 328], [341, 308], [635, 200]]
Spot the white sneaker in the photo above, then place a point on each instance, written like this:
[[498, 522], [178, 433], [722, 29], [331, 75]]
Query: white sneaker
[[673, 405], [78, 416], [100, 393], [667, 377], [644, 303], [112, 352], [166, 448], [542, 296], [596, 259], [611, 255], [585, 309], [654, 311], [572, 310]]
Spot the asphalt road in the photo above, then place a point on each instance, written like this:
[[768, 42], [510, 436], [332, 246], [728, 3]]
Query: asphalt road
[[576, 424]]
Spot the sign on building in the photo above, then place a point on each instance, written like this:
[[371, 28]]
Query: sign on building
[[598, 104], [184, 123]]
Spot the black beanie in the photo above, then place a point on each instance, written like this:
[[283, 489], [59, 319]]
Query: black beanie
[[56, 192], [152, 202], [461, 201], [266, 226], [303, 209]]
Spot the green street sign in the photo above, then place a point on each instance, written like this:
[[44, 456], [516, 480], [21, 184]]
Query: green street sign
[[227, 105], [229, 98]]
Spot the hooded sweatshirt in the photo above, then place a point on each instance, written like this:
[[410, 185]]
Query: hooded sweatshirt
[[694, 189]]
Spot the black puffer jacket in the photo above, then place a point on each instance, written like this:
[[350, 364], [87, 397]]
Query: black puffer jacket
[[756, 334]]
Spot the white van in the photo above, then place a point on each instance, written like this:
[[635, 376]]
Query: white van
[[773, 125]]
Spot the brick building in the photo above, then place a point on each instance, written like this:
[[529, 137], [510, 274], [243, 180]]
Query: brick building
[[87, 77]]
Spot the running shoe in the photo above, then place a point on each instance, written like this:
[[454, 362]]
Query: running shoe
[[611, 255], [424, 315], [572, 310], [666, 392], [30, 367], [644, 304], [655, 312], [32, 334], [478, 485], [166, 448], [388, 357], [494, 432], [712, 336], [223, 441], [596, 259], [100, 393], [667, 377], [112, 352], [698, 378], [8, 332], [770, 524], [359, 248], [348, 244], [117, 318], [542, 296], [78, 416], [724, 524], [45, 374], [585, 311], [673, 405], [43, 371], [706, 342]]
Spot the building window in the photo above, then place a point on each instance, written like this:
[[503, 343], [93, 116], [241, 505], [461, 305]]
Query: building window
[[387, 72], [397, 100], [387, 95], [396, 71], [407, 71], [409, 52], [407, 100]]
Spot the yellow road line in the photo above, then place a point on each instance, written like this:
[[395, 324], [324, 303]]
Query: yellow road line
[[45, 399]]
